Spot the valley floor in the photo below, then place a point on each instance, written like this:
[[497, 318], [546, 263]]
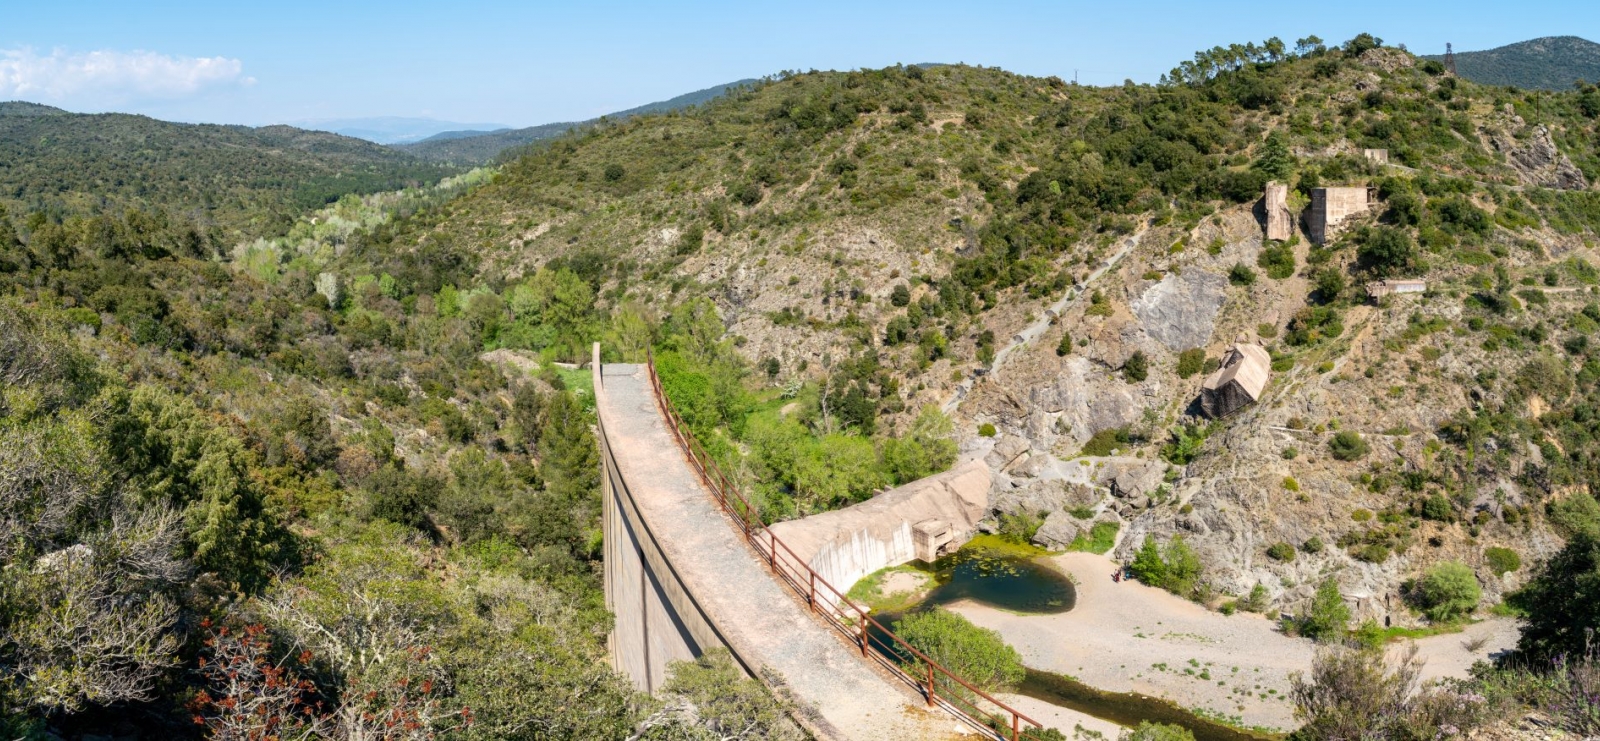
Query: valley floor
[[1127, 637]]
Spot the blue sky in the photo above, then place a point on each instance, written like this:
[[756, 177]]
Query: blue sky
[[524, 63]]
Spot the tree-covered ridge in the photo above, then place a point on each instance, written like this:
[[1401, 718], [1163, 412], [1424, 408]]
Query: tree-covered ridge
[[232, 179], [1549, 63], [473, 148], [980, 181]]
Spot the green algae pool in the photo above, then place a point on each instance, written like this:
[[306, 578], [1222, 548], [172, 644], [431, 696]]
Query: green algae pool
[[1013, 577], [1003, 576]]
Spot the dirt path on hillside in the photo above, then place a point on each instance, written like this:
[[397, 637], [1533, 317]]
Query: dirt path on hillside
[[1126, 637]]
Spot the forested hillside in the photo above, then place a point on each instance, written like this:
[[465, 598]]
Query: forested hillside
[[476, 148], [1550, 63], [320, 473], [872, 239], [234, 180]]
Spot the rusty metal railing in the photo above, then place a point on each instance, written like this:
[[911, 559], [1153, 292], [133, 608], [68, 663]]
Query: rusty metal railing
[[837, 610]]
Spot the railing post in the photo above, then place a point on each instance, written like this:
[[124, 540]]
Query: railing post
[[772, 551], [932, 699], [811, 599], [1015, 734], [863, 618]]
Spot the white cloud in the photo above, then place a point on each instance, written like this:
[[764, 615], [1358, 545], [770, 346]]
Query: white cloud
[[108, 76]]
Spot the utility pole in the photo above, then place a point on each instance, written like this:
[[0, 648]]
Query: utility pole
[[1449, 59]]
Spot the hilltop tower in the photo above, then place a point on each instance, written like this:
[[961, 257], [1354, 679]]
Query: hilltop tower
[[1449, 59]]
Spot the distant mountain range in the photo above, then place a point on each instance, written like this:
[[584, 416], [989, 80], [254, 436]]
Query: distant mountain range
[[477, 147], [394, 129], [240, 179], [1549, 63]]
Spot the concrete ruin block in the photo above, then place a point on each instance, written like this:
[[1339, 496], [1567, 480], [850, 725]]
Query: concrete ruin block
[[1276, 201], [930, 538], [1379, 289], [1377, 156], [1331, 207]]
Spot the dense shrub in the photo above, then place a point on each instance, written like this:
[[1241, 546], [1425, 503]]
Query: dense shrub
[[978, 655], [1385, 250], [1175, 568], [1137, 367], [1348, 445], [1502, 561], [1190, 362], [1241, 275], [1106, 441], [1448, 591], [1277, 261], [1351, 693]]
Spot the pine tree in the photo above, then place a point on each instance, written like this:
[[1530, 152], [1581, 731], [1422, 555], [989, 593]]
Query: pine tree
[[1329, 616], [1275, 161]]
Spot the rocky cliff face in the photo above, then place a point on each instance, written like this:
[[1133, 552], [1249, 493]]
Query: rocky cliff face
[[1266, 475], [1533, 154]]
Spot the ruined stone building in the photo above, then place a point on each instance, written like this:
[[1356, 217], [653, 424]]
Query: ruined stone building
[[1381, 288], [1377, 156], [1238, 383], [1330, 207], [1276, 202]]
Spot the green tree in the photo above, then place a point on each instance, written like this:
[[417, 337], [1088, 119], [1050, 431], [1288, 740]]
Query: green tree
[[1328, 616], [1385, 249], [569, 459], [1330, 283], [1348, 445], [175, 456], [1241, 275], [1183, 567], [1148, 566], [614, 172], [1137, 367], [1275, 160], [976, 654], [1362, 43], [901, 295], [1448, 591], [1561, 603], [927, 448], [1064, 347]]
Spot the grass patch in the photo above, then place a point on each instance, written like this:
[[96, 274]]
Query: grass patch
[[1005, 546], [1098, 540], [581, 382], [1397, 633], [869, 591]]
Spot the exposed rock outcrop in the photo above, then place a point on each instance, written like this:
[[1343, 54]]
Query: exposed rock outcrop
[[1537, 160], [1181, 310], [1058, 531]]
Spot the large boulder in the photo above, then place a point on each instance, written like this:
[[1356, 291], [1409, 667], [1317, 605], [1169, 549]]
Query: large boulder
[[1058, 531], [1131, 477], [1039, 496]]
